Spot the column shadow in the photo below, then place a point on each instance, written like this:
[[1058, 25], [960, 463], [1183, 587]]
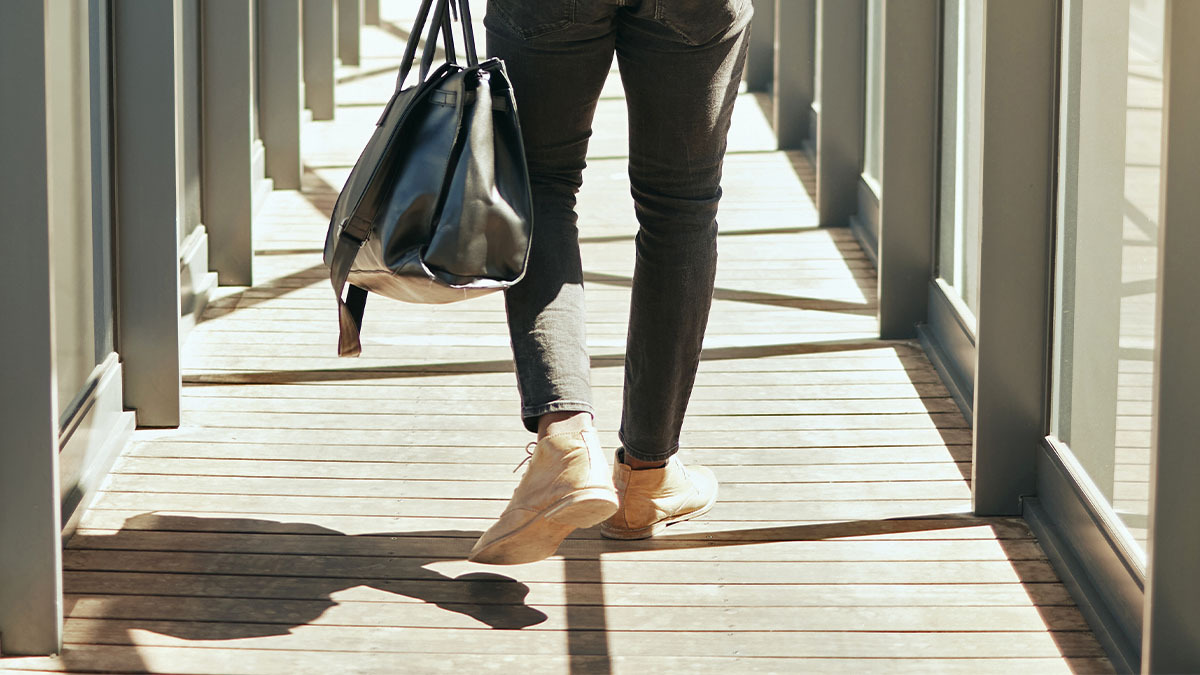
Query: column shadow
[[218, 579]]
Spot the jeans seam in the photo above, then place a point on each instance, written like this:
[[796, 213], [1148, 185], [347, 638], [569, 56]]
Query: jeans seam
[[541, 29]]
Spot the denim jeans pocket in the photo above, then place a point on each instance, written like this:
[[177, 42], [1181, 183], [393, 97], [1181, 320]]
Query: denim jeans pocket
[[531, 18], [698, 22]]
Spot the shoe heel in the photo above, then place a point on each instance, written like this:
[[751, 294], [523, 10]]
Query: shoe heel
[[584, 508]]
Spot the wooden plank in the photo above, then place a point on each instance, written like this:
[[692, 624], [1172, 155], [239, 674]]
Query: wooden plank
[[627, 570], [481, 473], [413, 455], [368, 390], [234, 662], [499, 373], [485, 508], [714, 527], [362, 421], [637, 642], [511, 438], [935, 650], [580, 593], [803, 548], [729, 409], [931, 526], [368, 488], [462, 614]]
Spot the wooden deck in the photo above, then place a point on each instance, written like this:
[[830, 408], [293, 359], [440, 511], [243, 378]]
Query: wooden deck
[[313, 514]]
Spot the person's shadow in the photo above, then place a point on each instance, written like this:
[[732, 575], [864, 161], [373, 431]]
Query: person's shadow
[[299, 566]]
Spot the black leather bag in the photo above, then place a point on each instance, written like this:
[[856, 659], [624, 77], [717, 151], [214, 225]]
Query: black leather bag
[[437, 207]]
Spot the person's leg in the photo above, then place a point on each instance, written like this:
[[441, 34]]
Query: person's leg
[[557, 77], [681, 67], [557, 59], [681, 64]]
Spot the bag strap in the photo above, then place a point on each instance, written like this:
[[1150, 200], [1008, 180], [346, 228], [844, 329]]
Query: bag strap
[[441, 23], [350, 310], [434, 9], [429, 9], [468, 32], [410, 48]]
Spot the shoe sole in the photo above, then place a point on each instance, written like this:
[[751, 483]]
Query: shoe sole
[[609, 532], [540, 537]]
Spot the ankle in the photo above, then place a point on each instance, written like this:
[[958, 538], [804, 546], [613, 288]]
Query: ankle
[[637, 464], [563, 423]]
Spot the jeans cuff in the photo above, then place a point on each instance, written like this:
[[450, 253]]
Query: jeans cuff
[[530, 414], [648, 456]]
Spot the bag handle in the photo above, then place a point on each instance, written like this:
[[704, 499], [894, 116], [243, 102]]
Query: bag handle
[[410, 48], [464, 12], [461, 12], [441, 22], [435, 11]]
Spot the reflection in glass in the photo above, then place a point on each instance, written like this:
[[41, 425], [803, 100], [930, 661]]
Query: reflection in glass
[[1110, 146], [962, 122]]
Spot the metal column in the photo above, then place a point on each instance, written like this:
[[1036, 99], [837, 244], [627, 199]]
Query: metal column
[[1171, 641], [30, 548], [792, 69], [281, 89], [841, 75], [760, 64], [1016, 228], [907, 205], [349, 19], [148, 68], [320, 51], [229, 172]]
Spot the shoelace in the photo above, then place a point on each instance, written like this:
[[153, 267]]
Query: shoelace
[[528, 455]]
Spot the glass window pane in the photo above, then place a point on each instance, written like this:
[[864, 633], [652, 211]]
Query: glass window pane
[[1109, 173], [101, 154], [962, 121], [817, 49], [255, 94], [69, 154], [192, 114], [873, 120]]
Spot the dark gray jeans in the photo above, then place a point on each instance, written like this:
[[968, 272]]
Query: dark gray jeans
[[681, 62]]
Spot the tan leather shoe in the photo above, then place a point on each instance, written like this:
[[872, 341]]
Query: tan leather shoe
[[566, 486], [652, 499]]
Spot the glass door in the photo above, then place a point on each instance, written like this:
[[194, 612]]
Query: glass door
[[80, 202], [1106, 267], [91, 422], [872, 171], [961, 153]]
